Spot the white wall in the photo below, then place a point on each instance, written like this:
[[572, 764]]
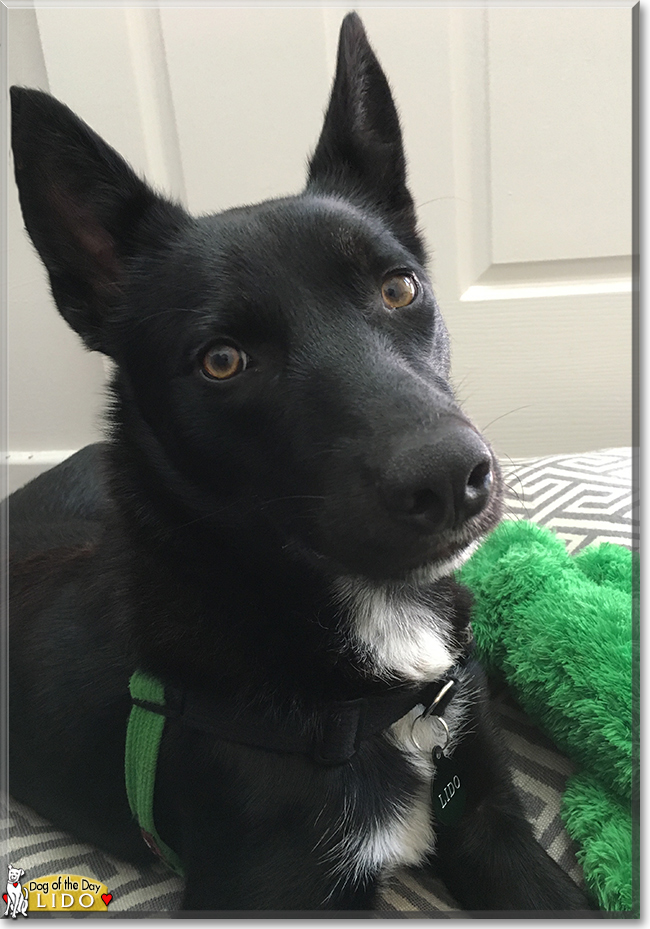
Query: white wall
[[55, 388], [517, 123]]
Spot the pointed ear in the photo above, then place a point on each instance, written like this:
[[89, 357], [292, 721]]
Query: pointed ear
[[85, 210], [360, 153]]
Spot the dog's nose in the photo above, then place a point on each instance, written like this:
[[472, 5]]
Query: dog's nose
[[439, 484]]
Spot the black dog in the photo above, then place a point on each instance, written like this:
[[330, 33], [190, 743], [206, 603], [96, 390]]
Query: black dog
[[290, 485]]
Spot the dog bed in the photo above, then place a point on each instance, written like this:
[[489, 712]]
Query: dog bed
[[583, 499]]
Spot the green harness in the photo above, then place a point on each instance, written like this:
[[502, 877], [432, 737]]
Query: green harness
[[143, 736]]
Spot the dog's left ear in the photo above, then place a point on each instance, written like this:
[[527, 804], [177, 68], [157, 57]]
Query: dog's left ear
[[360, 153]]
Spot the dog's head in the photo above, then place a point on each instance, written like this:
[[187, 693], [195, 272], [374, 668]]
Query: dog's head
[[283, 368], [14, 874]]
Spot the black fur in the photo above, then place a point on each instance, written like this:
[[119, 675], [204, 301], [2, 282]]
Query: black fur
[[205, 541]]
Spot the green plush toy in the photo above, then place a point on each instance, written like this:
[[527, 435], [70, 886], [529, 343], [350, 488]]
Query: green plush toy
[[558, 628]]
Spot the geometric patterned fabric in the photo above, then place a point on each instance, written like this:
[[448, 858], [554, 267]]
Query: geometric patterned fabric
[[585, 499]]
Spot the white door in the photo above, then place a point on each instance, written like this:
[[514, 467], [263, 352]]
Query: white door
[[518, 127]]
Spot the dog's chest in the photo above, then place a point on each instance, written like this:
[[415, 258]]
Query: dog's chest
[[400, 834], [408, 835], [404, 835], [399, 636]]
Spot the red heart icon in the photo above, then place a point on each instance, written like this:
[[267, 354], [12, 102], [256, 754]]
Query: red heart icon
[[5, 898], [16, 884], [107, 898]]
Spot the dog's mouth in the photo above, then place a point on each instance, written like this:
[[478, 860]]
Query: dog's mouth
[[420, 571], [392, 551], [447, 559]]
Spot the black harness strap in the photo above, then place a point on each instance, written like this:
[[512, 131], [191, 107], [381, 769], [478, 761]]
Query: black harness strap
[[343, 725]]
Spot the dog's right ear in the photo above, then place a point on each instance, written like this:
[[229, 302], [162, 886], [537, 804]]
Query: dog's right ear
[[360, 152], [85, 210]]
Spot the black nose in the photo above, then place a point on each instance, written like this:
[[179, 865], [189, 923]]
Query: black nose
[[441, 483]]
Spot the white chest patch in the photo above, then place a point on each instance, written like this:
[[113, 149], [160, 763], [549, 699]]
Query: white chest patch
[[390, 627], [397, 635], [407, 837], [405, 840]]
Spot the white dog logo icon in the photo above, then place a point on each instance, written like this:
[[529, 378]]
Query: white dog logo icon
[[16, 901]]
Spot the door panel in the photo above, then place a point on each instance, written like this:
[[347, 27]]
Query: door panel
[[517, 124]]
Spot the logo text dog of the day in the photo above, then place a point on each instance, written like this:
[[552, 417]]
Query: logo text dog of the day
[[67, 893]]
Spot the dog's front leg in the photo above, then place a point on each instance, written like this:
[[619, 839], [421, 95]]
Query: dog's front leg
[[489, 858]]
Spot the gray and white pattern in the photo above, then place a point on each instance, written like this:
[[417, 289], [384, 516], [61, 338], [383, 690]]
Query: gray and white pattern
[[585, 498], [41, 849]]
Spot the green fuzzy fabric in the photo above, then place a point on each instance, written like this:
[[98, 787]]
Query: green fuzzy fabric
[[558, 628]]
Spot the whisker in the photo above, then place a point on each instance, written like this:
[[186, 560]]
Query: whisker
[[268, 502], [330, 450], [210, 515], [174, 309], [258, 505], [437, 199], [517, 409], [518, 495]]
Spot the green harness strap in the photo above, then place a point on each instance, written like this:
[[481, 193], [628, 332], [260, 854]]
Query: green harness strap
[[143, 735]]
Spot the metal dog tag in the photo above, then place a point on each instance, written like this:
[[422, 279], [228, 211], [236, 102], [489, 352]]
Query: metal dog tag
[[448, 790]]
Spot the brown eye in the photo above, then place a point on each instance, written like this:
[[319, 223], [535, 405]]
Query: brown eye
[[399, 290], [223, 361]]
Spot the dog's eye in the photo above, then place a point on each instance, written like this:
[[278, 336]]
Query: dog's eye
[[399, 290], [223, 361]]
